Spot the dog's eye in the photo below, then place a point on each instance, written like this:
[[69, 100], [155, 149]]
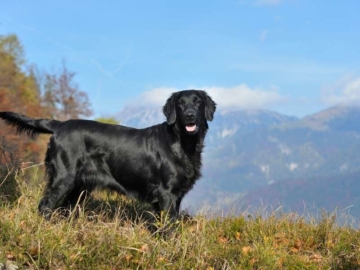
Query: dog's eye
[[181, 103], [197, 102]]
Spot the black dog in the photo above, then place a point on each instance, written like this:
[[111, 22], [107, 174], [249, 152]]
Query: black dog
[[158, 164]]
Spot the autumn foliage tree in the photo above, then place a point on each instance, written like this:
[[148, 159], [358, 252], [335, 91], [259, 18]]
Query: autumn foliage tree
[[61, 97], [18, 92], [24, 90]]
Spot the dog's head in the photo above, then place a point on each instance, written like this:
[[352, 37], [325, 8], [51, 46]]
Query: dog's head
[[190, 108]]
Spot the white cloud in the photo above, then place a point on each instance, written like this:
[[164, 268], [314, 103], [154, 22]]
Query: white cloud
[[237, 97], [263, 34], [346, 91], [268, 2], [155, 97], [244, 97]]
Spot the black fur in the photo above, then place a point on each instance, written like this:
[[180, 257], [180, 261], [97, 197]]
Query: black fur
[[158, 164], [31, 127]]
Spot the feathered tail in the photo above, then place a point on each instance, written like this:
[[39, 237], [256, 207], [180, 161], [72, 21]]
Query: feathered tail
[[32, 127]]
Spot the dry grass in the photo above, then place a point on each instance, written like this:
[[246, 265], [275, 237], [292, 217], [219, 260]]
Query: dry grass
[[112, 234]]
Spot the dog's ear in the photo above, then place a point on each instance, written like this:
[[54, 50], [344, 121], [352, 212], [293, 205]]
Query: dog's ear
[[210, 106], [169, 109]]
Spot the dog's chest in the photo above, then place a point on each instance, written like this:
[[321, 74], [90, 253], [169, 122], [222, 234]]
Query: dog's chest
[[188, 164]]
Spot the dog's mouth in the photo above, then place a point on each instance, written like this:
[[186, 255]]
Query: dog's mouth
[[191, 128]]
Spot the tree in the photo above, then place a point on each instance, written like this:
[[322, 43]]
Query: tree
[[61, 97], [73, 103], [36, 94], [12, 48], [18, 92]]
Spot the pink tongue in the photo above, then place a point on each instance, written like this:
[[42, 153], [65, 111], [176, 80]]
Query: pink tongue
[[191, 128]]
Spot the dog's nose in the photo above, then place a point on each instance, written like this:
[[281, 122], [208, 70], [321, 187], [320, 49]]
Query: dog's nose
[[190, 115]]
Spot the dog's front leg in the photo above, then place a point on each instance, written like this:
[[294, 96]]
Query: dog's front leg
[[168, 205]]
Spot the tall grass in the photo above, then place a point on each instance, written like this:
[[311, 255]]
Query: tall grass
[[9, 167], [110, 232]]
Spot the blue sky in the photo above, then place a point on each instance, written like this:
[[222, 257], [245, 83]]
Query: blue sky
[[293, 56]]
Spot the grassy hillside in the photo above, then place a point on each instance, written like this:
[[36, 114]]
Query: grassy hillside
[[111, 234]]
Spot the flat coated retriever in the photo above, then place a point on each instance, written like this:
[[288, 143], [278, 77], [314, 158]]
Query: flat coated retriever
[[158, 164]]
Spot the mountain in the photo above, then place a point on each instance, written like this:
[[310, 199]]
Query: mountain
[[140, 117], [248, 151], [339, 118], [290, 150], [321, 145]]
